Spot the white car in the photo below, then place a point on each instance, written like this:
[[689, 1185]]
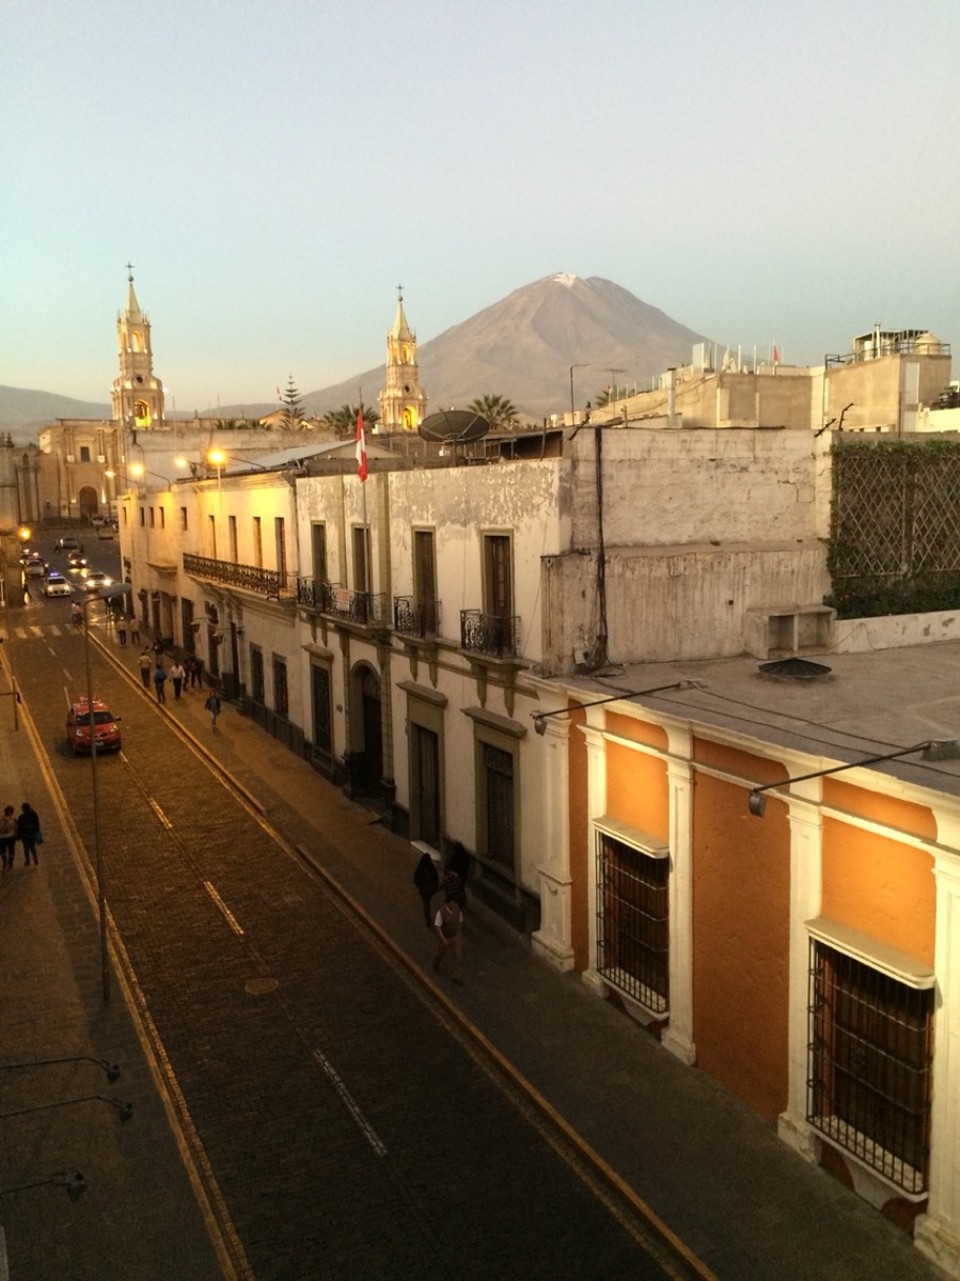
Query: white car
[[94, 579], [56, 585]]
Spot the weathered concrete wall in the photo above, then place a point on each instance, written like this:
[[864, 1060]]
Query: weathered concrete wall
[[673, 603], [672, 487], [893, 631]]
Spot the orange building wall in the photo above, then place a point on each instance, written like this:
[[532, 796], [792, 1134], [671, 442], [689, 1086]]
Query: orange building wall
[[637, 791], [879, 887], [741, 891]]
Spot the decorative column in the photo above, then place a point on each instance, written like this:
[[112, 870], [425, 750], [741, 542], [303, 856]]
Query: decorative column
[[553, 940], [937, 1233], [677, 1037], [596, 808], [805, 821]]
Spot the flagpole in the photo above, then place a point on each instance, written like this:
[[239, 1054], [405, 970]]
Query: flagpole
[[362, 473]]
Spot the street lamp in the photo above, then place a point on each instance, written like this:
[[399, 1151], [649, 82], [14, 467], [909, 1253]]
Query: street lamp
[[138, 471], [106, 593], [933, 750], [540, 718], [582, 365], [219, 458]]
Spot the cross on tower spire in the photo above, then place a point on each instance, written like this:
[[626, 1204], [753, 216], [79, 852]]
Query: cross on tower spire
[[129, 267]]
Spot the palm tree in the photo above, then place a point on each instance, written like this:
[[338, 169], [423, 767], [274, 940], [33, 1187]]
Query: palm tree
[[343, 421], [497, 410]]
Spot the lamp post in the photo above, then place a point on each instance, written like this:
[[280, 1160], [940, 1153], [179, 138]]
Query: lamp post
[[933, 750], [573, 411], [540, 718], [104, 594]]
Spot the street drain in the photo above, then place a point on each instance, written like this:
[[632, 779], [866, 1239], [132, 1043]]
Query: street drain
[[260, 987]]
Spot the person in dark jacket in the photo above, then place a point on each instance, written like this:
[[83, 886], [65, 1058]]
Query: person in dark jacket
[[426, 878], [28, 833]]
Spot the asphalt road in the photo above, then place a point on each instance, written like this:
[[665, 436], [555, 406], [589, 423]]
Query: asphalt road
[[349, 1130]]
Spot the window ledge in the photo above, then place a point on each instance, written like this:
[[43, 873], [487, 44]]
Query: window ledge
[[632, 836], [879, 956]]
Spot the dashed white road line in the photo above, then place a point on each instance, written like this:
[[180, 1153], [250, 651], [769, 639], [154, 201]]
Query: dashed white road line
[[350, 1103], [227, 914]]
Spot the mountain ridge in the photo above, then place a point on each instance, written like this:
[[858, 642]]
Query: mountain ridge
[[521, 347]]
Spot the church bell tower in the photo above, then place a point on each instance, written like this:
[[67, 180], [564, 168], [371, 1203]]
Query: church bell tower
[[137, 396], [403, 402]]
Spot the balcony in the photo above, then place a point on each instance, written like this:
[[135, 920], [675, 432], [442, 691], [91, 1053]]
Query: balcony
[[251, 578], [341, 603], [495, 635], [416, 618]]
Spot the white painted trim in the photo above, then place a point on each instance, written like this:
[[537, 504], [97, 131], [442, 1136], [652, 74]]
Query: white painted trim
[[879, 956]]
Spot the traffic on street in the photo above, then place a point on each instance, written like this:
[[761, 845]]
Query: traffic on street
[[344, 1125]]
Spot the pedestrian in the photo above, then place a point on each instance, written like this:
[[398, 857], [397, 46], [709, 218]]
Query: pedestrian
[[158, 648], [196, 672], [160, 681], [426, 878], [212, 705], [122, 630], [176, 675], [453, 887], [460, 863], [145, 663], [134, 631], [28, 833], [8, 835], [447, 926]]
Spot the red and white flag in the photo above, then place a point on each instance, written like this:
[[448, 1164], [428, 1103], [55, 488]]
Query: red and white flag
[[361, 446], [776, 355]]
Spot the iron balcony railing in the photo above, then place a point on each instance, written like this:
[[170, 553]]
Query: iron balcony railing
[[416, 618], [265, 582], [366, 608], [493, 634]]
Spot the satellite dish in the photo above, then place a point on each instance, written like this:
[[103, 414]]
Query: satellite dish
[[453, 424]]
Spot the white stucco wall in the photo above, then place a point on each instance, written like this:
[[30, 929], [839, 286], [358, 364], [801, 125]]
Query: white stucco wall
[[670, 487]]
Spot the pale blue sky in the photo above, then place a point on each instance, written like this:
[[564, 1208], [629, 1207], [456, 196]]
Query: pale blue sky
[[274, 168]]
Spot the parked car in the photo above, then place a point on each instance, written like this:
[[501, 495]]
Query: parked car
[[94, 579], [106, 727], [56, 585], [76, 560]]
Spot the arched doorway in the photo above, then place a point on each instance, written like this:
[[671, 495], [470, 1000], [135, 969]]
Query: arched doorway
[[87, 501], [366, 727]]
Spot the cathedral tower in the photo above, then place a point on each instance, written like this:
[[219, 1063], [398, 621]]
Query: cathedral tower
[[403, 403], [137, 395]]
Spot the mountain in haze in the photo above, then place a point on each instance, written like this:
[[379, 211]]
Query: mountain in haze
[[23, 413], [523, 346]]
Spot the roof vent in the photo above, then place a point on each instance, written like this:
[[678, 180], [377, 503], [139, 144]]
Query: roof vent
[[795, 669]]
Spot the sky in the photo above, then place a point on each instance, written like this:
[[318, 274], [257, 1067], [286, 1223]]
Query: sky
[[762, 174]]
